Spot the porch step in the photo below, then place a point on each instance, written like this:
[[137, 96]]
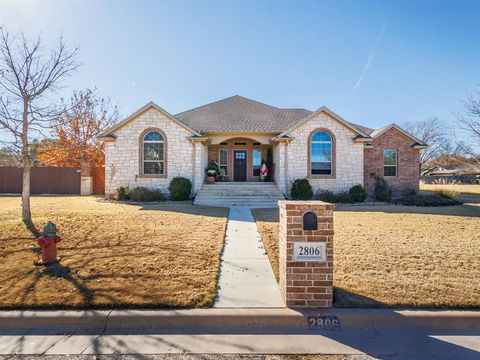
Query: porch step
[[239, 194]]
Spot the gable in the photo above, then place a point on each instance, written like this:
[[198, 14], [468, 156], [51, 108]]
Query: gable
[[111, 133], [325, 111]]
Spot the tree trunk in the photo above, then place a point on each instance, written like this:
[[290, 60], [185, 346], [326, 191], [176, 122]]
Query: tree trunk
[[26, 214]]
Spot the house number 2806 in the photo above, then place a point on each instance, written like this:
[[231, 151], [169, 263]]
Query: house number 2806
[[309, 250]]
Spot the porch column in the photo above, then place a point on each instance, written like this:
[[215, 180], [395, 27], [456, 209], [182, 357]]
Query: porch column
[[281, 168], [200, 159]]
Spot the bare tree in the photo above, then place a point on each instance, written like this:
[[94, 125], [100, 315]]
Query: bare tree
[[469, 125], [27, 77], [432, 132]]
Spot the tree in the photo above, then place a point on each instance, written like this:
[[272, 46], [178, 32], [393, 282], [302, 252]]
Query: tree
[[76, 131], [469, 124], [28, 76], [432, 132]]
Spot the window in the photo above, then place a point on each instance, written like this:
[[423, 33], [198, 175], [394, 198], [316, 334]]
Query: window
[[389, 162], [321, 154], [223, 160], [153, 154], [257, 161]]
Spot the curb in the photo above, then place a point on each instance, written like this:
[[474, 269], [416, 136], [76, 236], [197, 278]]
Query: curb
[[278, 320]]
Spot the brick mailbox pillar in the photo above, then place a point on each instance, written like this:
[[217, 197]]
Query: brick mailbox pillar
[[306, 253]]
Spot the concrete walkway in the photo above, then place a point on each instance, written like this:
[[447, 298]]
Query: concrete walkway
[[246, 276]]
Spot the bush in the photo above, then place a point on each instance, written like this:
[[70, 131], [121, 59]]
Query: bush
[[447, 193], [382, 190], [142, 193], [121, 194], [180, 189], [427, 200], [326, 195], [409, 192], [358, 193], [301, 190], [344, 197]]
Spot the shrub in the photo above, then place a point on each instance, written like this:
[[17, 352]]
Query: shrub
[[301, 190], [180, 189], [358, 193], [142, 193], [343, 197], [447, 193], [326, 195], [409, 192], [382, 190], [427, 200], [121, 194]]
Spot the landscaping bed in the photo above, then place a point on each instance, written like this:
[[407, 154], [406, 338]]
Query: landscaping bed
[[113, 254], [399, 256]]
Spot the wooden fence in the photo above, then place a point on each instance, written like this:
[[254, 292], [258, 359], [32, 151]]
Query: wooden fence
[[44, 180], [98, 180]]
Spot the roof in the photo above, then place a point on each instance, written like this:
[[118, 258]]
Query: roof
[[239, 114]]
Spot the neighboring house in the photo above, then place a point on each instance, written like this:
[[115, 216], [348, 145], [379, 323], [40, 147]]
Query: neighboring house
[[152, 146]]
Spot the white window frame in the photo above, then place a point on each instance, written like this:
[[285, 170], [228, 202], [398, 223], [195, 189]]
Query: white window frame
[[153, 161], [311, 153], [260, 151], [220, 159], [395, 166]]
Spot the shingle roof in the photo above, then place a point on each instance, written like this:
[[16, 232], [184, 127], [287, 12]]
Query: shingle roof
[[239, 114]]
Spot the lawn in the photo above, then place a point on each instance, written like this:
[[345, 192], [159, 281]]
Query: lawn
[[464, 189], [398, 256], [113, 255]]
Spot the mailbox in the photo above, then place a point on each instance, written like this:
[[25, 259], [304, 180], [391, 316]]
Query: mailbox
[[310, 221]]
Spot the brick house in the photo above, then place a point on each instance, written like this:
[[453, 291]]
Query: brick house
[[152, 146]]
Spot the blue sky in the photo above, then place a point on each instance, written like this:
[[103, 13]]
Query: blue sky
[[372, 62]]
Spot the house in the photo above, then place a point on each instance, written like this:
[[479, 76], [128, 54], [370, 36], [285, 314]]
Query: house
[[152, 146]]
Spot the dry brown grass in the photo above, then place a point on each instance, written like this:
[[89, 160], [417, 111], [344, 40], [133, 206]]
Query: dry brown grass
[[398, 256], [464, 189], [113, 255]]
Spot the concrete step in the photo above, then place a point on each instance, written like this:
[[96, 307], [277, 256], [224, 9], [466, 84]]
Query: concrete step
[[239, 198], [264, 204]]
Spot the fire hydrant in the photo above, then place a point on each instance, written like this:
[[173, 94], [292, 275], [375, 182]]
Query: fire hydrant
[[48, 242]]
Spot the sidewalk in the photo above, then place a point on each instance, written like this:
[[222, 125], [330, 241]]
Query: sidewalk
[[246, 276], [378, 333]]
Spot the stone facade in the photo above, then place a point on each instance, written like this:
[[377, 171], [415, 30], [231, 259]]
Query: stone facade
[[348, 155], [408, 161], [122, 157], [305, 283]]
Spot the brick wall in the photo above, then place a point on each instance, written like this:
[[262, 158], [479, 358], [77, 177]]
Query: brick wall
[[408, 161], [305, 284]]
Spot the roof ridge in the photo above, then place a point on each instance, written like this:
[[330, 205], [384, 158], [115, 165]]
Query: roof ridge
[[227, 98], [210, 103]]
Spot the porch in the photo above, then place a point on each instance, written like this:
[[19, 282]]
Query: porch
[[241, 158]]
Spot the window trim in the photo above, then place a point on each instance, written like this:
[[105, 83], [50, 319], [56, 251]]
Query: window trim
[[395, 166], [140, 154], [309, 157], [220, 159]]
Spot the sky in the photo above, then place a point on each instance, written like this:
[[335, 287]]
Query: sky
[[371, 62]]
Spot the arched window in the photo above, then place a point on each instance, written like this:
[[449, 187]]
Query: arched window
[[321, 153], [153, 153]]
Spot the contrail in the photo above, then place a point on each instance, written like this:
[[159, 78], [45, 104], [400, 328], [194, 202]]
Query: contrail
[[371, 56]]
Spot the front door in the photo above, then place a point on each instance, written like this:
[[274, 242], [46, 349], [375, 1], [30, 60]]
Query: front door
[[239, 165]]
